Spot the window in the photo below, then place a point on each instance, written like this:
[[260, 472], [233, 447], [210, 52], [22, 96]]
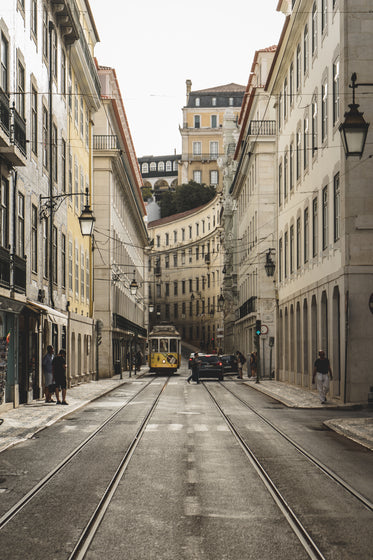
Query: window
[[197, 148], [34, 120], [34, 238], [76, 106], [197, 102], [197, 121], [183, 258], [175, 260], [54, 153], [306, 227], [34, 18], [76, 182], [214, 178], [153, 166], [305, 50], [183, 288], [197, 229], [21, 226], [190, 232], [314, 227], [182, 234], [55, 254], [167, 289], [280, 184], [81, 117], [325, 221], [63, 72], [324, 15], [314, 125], [175, 288], [291, 259], [20, 98], [70, 266], [280, 110], [190, 255], [324, 111], [286, 243], [175, 236], [298, 243], [87, 278], [76, 271], [285, 98], [70, 172], [231, 102], [45, 137], [70, 90], [63, 260], [82, 275], [214, 149], [335, 92], [305, 143], [337, 208], [46, 247], [285, 175], [214, 121], [63, 164], [145, 168], [161, 166], [298, 155], [176, 311], [213, 101], [291, 167], [314, 28], [197, 176], [167, 239], [169, 166], [54, 53], [4, 212], [291, 84], [45, 34], [4, 64], [167, 261], [298, 68], [280, 260]]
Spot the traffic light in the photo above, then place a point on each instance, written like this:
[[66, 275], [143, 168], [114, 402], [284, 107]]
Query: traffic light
[[258, 327]]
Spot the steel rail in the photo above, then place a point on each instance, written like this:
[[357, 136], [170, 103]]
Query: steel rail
[[93, 524], [331, 474], [304, 537], [14, 510]]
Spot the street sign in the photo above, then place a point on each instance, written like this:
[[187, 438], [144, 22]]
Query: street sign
[[264, 329]]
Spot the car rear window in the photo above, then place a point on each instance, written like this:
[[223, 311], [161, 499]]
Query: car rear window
[[210, 359]]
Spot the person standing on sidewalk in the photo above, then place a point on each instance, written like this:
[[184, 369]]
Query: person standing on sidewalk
[[59, 373], [321, 371], [240, 362], [48, 373]]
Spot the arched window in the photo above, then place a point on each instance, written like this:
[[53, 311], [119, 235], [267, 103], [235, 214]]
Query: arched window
[[161, 166], [145, 168], [153, 166], [168, 166]]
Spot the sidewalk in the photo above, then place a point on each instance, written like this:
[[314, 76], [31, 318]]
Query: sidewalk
[[25, 421], [359, 430]]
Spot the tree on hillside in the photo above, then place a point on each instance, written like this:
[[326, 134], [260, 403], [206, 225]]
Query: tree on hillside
[[185, 197]]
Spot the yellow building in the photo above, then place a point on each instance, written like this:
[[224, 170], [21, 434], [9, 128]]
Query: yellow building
[[203, 132], [83, 100]]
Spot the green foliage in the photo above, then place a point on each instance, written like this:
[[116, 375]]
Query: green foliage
[[147, 193], [185, 197]]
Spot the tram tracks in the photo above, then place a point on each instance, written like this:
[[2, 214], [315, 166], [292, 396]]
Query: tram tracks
[[47, 479], [291, 516]]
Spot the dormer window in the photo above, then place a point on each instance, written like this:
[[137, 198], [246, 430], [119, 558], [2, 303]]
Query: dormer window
[[197, 102], [213, 101]]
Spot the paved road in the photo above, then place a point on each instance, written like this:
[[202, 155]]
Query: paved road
[[189, 490]]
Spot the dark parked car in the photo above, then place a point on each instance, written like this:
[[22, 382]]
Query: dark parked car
[[211, 366], [230, 362]]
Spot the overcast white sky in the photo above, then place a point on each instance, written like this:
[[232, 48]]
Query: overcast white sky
[[156, 45]]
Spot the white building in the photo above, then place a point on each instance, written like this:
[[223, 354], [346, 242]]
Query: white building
[[325, 212]]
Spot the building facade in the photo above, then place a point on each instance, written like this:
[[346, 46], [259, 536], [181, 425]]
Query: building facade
[[160, 173], [324, 248], [186, 265], [253, 198], [203, 130], [120, 234], [42, 46]]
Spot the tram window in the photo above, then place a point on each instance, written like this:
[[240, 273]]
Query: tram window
[[173, 345], [155, 345], [164, 345]]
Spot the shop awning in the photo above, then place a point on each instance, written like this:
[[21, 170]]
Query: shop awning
[[53, 315]]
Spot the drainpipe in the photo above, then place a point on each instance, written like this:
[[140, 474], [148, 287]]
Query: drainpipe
[[50, 108]]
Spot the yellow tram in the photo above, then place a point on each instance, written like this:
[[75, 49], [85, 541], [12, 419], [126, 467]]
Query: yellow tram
[[164, 349]]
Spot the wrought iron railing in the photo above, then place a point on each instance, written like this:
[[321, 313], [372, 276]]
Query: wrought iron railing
[[4, 267], [19, 274], [4, 111], [200, 157], [19, 131], [105, 142], [248, 307]]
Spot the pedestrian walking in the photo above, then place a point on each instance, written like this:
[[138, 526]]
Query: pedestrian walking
[[253, 364], [138, 361], [48, 374], [59, 374], [322, 371], [240, 362], [194, 376]]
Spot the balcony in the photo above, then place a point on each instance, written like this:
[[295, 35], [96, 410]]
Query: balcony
[[4, 114], [200, 157], [248, 307], [67, 17], [12, 133], [262, 128], [19, 274], [4, 268], [18, 128], [104, 142]]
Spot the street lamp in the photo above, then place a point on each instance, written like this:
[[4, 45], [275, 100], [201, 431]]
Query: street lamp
[[134, 285], [86, 218], [354, 129], [221, 302]]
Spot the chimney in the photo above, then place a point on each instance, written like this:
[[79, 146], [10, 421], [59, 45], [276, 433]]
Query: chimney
[[188, 89]]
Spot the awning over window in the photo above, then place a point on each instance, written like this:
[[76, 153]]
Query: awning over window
[[53, 315]]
